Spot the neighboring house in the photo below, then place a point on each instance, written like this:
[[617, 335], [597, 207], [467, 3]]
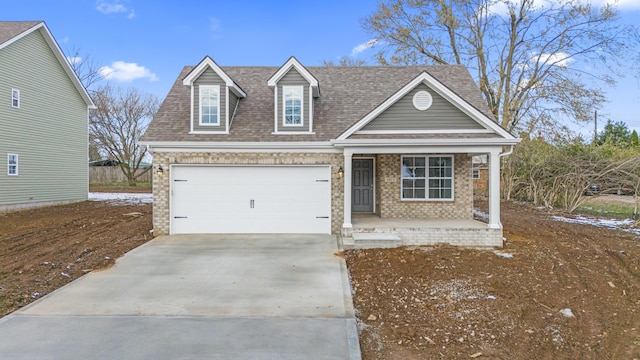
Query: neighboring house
[[369, 153], [43, 120]]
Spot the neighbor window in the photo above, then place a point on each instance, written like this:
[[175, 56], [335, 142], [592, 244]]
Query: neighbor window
[[15, 98], [12, 164], [209, 104], [292, 105], [476, 173], [427, 177]]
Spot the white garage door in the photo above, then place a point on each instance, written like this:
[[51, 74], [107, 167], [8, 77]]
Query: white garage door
[[250, 199]]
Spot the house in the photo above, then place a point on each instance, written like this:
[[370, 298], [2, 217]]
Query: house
[[43, 120], [378, 155]]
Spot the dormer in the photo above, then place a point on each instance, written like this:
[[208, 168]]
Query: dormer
[[214, 98], [294, 89]]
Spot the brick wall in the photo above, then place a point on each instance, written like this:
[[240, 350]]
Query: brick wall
[[391, 206], [161, 182]]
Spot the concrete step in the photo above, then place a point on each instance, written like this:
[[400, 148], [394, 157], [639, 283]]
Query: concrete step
[[375, 240]]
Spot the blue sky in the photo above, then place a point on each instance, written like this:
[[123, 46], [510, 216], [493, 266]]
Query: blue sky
[[145, 44]]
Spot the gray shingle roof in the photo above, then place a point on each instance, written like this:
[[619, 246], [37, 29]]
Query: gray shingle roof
[[11, 29], [347, 95]]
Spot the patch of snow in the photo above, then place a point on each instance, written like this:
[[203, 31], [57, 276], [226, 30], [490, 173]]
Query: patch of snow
[[503, 255], [122, 198], [480, 214], [608, 223], [567, 313]]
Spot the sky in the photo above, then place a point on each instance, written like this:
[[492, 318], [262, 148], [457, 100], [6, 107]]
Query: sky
[[145, 44]]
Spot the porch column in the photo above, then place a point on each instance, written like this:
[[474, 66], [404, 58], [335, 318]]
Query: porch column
[[494, 191], [346, 226]]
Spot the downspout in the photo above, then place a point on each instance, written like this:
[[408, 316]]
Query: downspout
[[507, 153]]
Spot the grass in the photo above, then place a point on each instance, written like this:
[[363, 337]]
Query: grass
[[616, 211]]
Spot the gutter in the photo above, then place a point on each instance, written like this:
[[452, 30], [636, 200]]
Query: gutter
[[507, 153]]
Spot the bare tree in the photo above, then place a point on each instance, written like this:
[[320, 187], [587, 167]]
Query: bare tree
[[345, 61], [529, 57], [85, 67], [117, 124]]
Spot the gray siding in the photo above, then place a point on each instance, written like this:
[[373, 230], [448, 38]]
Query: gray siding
[[48, 132], [442, 115], [294, 78], [209, 77], [233, 101]]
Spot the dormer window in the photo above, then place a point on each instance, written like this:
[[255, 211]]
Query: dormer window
[[292, 105], [209, 104]]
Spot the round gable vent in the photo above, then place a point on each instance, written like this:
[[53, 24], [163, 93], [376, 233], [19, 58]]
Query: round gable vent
[[422, 100]]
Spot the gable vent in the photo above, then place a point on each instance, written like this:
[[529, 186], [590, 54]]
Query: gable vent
[[422, 100]]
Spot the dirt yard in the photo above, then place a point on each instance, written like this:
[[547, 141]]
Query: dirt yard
[[568, 292], [44, 249], [419, 303]]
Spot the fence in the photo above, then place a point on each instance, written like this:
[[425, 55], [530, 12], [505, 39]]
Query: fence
[[113, 173]]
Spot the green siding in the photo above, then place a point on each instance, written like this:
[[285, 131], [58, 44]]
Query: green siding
[[442, 115], [292, 77], [48, 132], [209, 77]]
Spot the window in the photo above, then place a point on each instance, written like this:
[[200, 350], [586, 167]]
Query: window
[[476, 173], [12, 164], [292, 105], [427, 177], [209, 104], [15, 98]]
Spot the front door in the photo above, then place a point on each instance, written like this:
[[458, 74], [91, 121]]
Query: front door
[[362, 182]]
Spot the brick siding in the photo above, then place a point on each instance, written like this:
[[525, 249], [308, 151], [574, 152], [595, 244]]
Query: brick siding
[[161, 182], [391, 206]]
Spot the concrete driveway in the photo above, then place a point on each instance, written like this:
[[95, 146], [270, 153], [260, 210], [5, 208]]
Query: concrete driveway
[[198, 296]]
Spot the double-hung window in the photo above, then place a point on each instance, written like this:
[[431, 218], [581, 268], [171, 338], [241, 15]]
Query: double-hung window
[[209, 104], [15, 98], [292, 105], [427, 177], [12, 164]]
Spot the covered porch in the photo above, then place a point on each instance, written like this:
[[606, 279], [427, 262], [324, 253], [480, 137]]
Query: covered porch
[[396, 221], [370, 230]]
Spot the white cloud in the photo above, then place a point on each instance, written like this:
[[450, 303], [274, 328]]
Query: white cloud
[[364, 46], [501, 7], [214, 23], [74, 60], [126, 72], [114, 7], [621, 4], [560, 59], [214, 27]]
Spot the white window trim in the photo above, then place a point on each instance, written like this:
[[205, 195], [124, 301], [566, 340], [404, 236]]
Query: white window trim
[[15, 91], [284, 101], [9, 165], [475, 173], [426, 157], [200, 88]]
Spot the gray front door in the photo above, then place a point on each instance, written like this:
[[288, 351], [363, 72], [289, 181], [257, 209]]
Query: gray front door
[[362, 181]]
